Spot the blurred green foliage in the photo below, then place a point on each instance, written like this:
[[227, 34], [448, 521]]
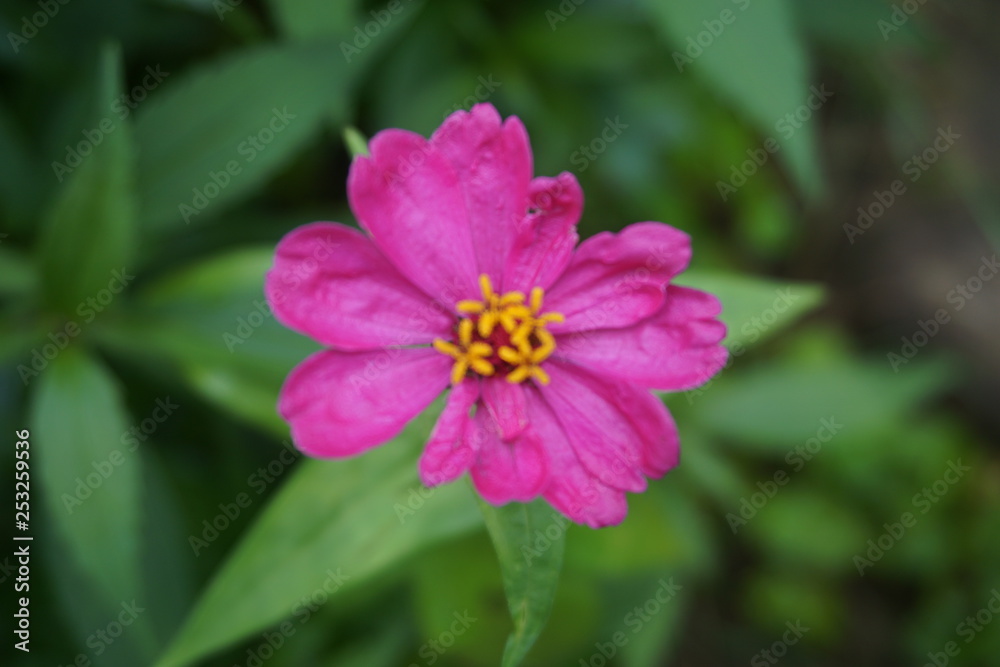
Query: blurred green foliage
[[153, 152]]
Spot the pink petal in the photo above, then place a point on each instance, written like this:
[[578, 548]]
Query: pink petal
[[678, 348], [494, 166], [615, 280], [343, 403], [506, 471], [571, 488], [660, 443], [505, 403], [409, 198], [331, 283], [604, 438], [546, 238], [448, 453]]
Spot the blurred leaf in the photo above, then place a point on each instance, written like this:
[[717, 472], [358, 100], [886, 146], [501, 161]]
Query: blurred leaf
[[17, 274], [808, 530], [19, 190], [530, 570], [754, 308], [357, 143], [751, 53], [354, 518], [473, 589], [89, 481], [781, 406], [211, 319], [214, 134], [88, 231], [307, 19]]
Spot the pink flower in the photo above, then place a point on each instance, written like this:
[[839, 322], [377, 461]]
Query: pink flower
[[468, 276]]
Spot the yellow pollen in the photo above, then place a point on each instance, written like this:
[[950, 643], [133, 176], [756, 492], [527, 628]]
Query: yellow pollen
[[523, 325]]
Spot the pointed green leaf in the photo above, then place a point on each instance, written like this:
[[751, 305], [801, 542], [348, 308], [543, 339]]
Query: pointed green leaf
[[529, 540], [309, 19], [755, 308], [752, 54], [334, 524], [90, 480], [214, 135], [88, 231]]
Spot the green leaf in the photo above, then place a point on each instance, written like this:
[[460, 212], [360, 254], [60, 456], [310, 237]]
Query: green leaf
[[779, 406], [90, 481], [529, 539], [752, 55], [213, 135], [357, 518], [753, 308], [88, 231], [212, 322], [17, 274], [308, 19], [357, 143]]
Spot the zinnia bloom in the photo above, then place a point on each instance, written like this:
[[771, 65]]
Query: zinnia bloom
[[468, 278]]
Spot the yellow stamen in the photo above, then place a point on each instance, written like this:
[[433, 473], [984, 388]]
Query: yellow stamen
[[523, 321]]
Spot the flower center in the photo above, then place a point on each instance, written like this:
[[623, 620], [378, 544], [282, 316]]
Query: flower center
[[501, 335]]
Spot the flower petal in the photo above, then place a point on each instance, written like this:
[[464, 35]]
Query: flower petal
[[409, 198], [343, 403], [615, 280], [678, 348], [605, 440], [494, 165], [448, 453], [331, 283], [506, 471], [505, 403], [545, 239], [571, 488]]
